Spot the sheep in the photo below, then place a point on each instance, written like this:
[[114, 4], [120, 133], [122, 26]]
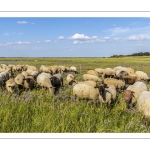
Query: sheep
[[99, 70], [91, 77], [86, 92], [25, 74], [32, 68], [47, 74], [141, 76], [34, 74], [29, 83], [108, 72], [44, 81], [120, 68], [108, 94], [60, 77], [73, 69], [129, 79], [132, 93], [90, 83], [93, 93], [19, 79], [143, 104], [44, 68], [57, 81], [70, 78], [54, 69], [93, 72], [119, 84], [11, 85], [120, 74]]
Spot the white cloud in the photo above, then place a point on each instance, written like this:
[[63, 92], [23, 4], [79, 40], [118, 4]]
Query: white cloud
[[32, 23], [47, 41], [81, 38], [22, 22], [19, 42], [61, 38], [139, 37]]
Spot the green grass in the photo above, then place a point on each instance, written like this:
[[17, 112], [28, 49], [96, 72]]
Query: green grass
[[37, 111]]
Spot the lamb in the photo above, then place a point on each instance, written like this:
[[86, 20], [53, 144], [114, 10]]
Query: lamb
[[119, 84], [108, 72], [93, 72], [143, 104], [132, 93], [44, 81], [11, 85], [91, 77]]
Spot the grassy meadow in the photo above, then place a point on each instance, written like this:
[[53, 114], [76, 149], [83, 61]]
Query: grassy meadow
[[36, 111]]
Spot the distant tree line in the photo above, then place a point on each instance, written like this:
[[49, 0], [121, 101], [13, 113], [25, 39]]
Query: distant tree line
[[134, 54]]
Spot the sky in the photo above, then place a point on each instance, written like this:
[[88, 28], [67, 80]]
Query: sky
[[73, 36]]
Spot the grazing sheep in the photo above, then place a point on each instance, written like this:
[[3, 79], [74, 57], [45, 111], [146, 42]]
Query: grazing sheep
[[34, 74], [73, 69], [129, 79], [119, 84], [11, 85], [90, 83], [44, 68], [70, 78], [132, 93], [99, 70], [93, 93], [108, 73], [141, 76], [32, 68], [93, 72], [19, 79], [91, 77], [54, 69], [44, 81], [25, 74], [107, 94], [47, 74], [29, 83], [121, 74], [86, 92], [60, 77], [143, 104]]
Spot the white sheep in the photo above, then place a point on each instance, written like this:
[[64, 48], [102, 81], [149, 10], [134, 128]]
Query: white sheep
[[99, 70], [91, 77], [73, 69], [141, 76], [44, 68], [143, 104], [132, 93], [44, 81], [93, 72], [69, 78], [108, 72], [11, 85]]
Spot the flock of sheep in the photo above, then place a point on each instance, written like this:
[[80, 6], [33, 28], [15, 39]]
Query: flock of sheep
[[99, 84]]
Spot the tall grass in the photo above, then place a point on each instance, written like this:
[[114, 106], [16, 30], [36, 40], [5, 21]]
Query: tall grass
[[37, 111]]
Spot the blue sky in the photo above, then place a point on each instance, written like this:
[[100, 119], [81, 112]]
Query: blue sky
[[73, 37]]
